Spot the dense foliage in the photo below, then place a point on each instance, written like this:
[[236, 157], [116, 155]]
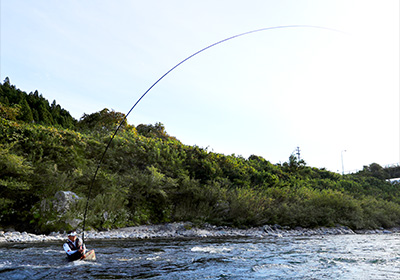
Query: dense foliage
[[31, 108], [150, 177]]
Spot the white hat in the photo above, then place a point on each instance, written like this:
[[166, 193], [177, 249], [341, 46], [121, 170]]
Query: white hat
[[72, 233]]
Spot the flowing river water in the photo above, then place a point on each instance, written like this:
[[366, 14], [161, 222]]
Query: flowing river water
[[358, 256]]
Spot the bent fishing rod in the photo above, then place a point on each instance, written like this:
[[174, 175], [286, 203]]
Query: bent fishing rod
[[162, 77]]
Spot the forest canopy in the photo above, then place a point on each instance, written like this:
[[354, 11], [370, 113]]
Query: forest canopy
[[149, 176]]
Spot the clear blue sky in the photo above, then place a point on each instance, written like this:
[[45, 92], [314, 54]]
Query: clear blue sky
[[263, 94]]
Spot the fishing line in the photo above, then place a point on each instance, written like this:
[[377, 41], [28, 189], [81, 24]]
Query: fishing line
[[166, 73]]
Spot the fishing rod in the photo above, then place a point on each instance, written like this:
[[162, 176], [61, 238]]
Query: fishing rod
[[162, 77]]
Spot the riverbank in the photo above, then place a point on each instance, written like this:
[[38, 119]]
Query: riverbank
[[186, 230]]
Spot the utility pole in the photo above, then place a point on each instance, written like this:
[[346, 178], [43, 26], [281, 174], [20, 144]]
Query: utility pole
[[342, 163], [298, 153]]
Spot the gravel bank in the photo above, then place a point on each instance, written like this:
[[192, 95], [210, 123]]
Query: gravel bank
[[179, 230]]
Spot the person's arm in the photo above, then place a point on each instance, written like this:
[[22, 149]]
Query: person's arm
[[68, 249]]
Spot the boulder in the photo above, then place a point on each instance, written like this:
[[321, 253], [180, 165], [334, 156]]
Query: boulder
[[63, 201], [74, 223]]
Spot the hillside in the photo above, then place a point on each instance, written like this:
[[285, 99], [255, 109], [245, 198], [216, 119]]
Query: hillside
[[150, 177]]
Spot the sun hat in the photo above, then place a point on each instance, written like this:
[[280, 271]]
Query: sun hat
[[72, 233]]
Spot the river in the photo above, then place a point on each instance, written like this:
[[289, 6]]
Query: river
[[358, 256]]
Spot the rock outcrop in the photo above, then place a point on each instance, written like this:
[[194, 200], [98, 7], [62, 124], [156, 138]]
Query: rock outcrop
[[63, 200]]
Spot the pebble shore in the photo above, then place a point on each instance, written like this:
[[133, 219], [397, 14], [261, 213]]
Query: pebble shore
[[186, 230]]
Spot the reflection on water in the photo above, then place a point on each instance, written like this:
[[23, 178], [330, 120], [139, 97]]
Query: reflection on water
[[316, 257]]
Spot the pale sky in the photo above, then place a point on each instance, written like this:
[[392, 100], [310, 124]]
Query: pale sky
[[265, 93]]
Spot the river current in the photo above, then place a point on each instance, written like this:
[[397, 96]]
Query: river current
[[304, 257]]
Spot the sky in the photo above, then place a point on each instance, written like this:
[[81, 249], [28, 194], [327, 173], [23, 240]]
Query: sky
[[327, 82]]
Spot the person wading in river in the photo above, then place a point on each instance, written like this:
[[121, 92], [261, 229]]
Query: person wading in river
[[74, 247]]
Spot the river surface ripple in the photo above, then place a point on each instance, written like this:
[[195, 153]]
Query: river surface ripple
[[311, 257]]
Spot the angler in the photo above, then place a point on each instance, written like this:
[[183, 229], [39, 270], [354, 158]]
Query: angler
[[75, 248]]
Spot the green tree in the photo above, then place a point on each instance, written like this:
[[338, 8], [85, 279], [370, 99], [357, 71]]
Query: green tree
[[376, 171], [103, 121], [9, 113], [154, 131], [25, 111], [7, 82], [44, 115], [15, 174], [149, 196]]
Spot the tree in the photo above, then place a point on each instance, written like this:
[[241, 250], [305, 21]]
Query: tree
[[9, 113], [104, 120], [44, 115], [25, 111], [294, 164], [156, 131], [376, 171], [15, 172], [7, 81]]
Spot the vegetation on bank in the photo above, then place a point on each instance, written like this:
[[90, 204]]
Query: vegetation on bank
[[150, 177]]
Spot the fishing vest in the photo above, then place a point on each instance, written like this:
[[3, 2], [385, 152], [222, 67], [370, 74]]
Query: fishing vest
[[73, 245]]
